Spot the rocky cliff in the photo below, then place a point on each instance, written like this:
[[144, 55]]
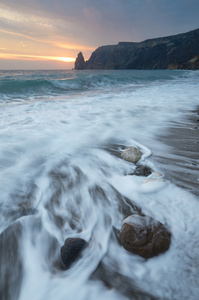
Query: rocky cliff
[[173, 52]]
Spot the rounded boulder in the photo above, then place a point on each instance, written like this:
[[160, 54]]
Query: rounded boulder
[[132, 154], [144, 236]]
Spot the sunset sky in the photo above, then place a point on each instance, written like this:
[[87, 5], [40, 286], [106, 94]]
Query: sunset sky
[[48, 34]]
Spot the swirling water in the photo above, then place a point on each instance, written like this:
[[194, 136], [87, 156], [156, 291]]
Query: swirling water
[[61, 136]]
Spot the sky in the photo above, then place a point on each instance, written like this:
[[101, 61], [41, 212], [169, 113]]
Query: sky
[[48, 34]]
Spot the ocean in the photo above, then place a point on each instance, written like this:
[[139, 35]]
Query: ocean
[[61, 137]]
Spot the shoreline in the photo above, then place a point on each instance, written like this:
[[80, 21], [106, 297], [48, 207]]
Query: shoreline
[[178, 159]]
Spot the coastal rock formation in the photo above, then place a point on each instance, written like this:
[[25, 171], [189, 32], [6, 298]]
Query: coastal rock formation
[[80, 62], [71, 250], [132, 154], [173, 52], [144, 236]]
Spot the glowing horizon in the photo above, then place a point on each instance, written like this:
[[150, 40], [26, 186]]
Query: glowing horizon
[[36, 57], [23, 44]]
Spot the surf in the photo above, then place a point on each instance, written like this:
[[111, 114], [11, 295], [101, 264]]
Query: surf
[[62, 176]]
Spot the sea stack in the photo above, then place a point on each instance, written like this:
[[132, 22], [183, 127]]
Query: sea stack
[[80, 62]]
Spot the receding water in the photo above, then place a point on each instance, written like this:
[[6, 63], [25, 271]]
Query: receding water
[[61, 136]]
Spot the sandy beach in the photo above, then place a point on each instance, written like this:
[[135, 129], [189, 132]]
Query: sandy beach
[[179, 159]]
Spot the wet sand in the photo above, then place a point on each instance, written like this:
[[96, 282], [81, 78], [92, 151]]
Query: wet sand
[[178, 157]]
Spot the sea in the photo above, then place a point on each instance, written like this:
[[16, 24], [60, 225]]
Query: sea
[[62, 133]]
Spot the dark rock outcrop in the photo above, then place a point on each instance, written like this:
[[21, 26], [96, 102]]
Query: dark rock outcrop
[[173, 52], [144, 236], [71, 250]]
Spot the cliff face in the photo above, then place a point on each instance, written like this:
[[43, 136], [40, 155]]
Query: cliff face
[[173, 52]]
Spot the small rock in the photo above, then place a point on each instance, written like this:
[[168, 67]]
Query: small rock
[[142, 171], [157, 174], [132, 154], [144, 236], [149, 180], [71, 250]]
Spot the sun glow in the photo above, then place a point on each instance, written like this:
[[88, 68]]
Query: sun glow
[[35, 57], [65, 59]]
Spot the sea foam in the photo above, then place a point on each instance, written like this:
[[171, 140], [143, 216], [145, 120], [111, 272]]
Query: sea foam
[[62, 176]]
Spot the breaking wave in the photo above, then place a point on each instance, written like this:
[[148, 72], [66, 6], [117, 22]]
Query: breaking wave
[[44, 84]]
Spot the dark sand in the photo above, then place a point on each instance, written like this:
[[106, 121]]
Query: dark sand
[[178, 159]]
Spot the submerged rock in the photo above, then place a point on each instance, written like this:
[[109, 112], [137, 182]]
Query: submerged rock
[[11, 262], [71, 250], [144, 236], [110, 271], [132, 154]]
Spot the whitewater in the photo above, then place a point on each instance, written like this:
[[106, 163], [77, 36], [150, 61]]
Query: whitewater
[[61, 175]]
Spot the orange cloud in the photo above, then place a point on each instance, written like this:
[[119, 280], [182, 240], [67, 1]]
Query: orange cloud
[[58, 44], [25, 36], [73, 47]]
